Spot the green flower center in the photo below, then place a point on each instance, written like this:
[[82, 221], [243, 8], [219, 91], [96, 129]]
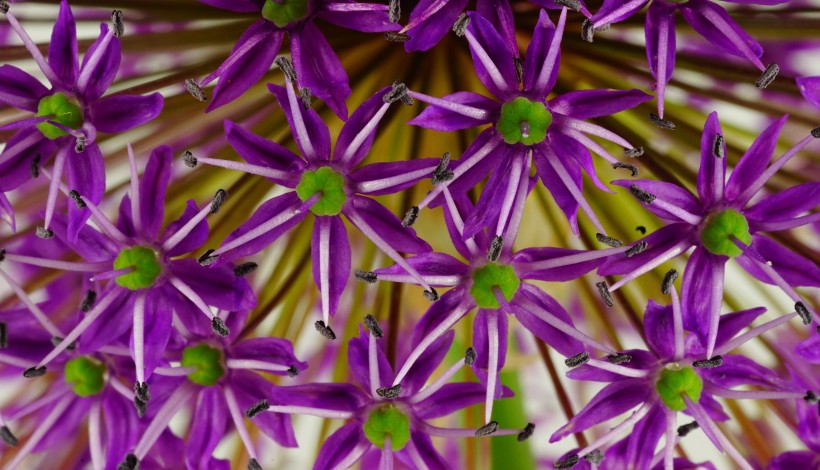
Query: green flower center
[[387, 421], [206, 362], [285, 12], [145, 266], [524, 121], [85, 375], [674, 383], [330, 184], [61, 110], [487, 278], [716, 236]]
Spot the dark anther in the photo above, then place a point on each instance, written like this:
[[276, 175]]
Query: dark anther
[[293, 371], [431, 295], [219, 198], [662, 123], [587, 32], [641, 229], [189, 159], [6, 435], [287, 68], [206, 259], [324, 330], [32, 372], [79, 144], [632, 168], [460, 26], [219, 327], [595, 457], [527, 432], [519, 68], [372, 325], [442, 174], [389, 393], [609, 241], [636, 249], [195, 90], [636, 152], [4, 335], [2, 255], [305, 97], [366, 276], [811, 397], [815, 132], [4, 7], [566, 463], [668, 281], [687, 428], [573, 5], [469, 356], [396, 93], [768, 76], [396, 37], [716, 361], [130, 462], [394, 11], [603, 290], [260, 406], [245, 268], [801, 310], [641, 195], [495, 248], [44, 233], [717, 147], [618, 358], [141, 391], [78, 200], [141, 407], [118, 25], [577, 360], [35, 167], [253, 464], [88, 301], [56, 340], [487, 429], [410, 217]]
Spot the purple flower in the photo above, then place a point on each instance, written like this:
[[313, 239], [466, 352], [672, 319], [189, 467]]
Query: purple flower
[[328, 187], [318, 66], [525, 128], [68, 115], [722, 224], [810, 89], [704, 16], [394, 420]]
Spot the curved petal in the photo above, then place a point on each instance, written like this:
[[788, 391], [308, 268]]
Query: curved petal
[[62, 50], [208, 427], [18, 157], [19, 89], [449, 399], [363, 124], [7, 212], [445, 120], [257, 150], [272, 350], [427, 451], [563, 197], [644, 438], [194, 239], [427, 363], [249, 388], [660, 39], [658, 242], [481, 339], [615, 11], [586, 104], [668, 192], [85, 173], [500, 15], [498, 76], [330, 251], [153, 185], [697, 291], [785, 205], [712, 22], [105, 69], [556, 339], [158, 314], [730, 325], [437, 313], [317, 133], [567, 146], [377, 179], [641, 359], [347, 444], [536, 58], [324, 396], [809, 87], [712, 172], [559, 274], [239, 6], [372, 20], [120, 113], [659, 329], [429, 32], [387, 225], [739, 370], [112, 323], [754, 162], [318, 67], [794, 459], [216, 285], [122, 427], [793, 267], [431, 266], [358, 360], [488, 207]]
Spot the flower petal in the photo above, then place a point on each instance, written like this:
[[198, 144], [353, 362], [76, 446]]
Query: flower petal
[[498, 76], [810, 89], [644, 438], [556, 339], [428, 452], [323, 396], [536, 57], [659, 328], [316, 128], [85, 173], [730, 325], [208, 427], [249, 388], [427, 363], [754, 162], [382, 178], [18, 156], [563, 197], [387, 225], [441, 119], [658, 242], [449, 399], [346, 444], [330, 237], [713, 23], [660, 39], [793, 459], [19, 89], [739, 370], [7, 212], [240, 6], [194, 239], [481, 339], [359, 362], [697, 291], [158, 314], [668, 192], [122, 427], [437, 313], [429, 32], [217, 285], [431, 266], [319, 68], [120, 113], [568, 146], [257, 150], [500, 15], [586, 104], [105, 69], [62, 50], [112, 323], [785, 205], [372, 20], [488, 208], [272, 350], [153, 185], [793, 267], [358, 127], [559, 274]]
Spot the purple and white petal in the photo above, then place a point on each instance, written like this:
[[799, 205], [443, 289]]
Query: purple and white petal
[[357, 134], [387, 225], [194, 238], [153, 185], [586, 104], [85, 173], [492, 58], [19, 89], [476, 110], [100, 72], [318, 67], [754, 162], [120, 113], [315, 146], [796, 269], [208, 425], [343, 448], [62, 50], [428, 29], [330, 253], [257, 150], [216, 285]]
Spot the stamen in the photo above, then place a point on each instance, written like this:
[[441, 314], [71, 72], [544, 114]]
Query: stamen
[[609, 241], [495, 248], [470, 356], [245, 268], [33, 372], [603, 290], [43, 233], [57, 340], [78, 200], [219, 198], [4, 8], [687, 428], [35, 167], [519, 69], [130, 462], [577, 360], [716, 361], [4, 335], [618, 358], [642, 195], [205, 259], [587, 32], [568, 461], [253, 464], [528, 431], [768, 76], [815, 132], [460, 26], [189, 159], [633, 152], [293, 371], [389, 393], [641, 229], [141, 407], [442, 174], [373, 326], [410, 217], [636, 249], [398, 92], [669, 281], [394, 11], [573, 5], [487, 429], [811, 397], [141, 391], [366, 276], [396, 37], [258, 407], [431, 295], [5, 432], [324, 330], [718, 150], [305, 97], [662, 123], [801, 310], [219, 327], [287, 68], [628, 166], [80, 143], [195, 90], [595, 457], [117, 24]]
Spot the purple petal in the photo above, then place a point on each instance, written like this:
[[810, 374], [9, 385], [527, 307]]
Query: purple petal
[[19, 89], [557, 340], [658, 242], [105, 70], [810, 89], [754, 162], [90, 244], [85, 173], [122, 427], [463, 206], [359, 362], [644, 438], [153, 185], [697, 292], [347, 441], [240, 6], [437, 313], [730, 325], [120, 113], [217, 285], [427, 363], [429, 265], [488, 208], [565, 145], [660, 28], [189, 315], [536, 57], [7, 212], [794, 459], [431, 457], [612, 13], [758, 2], [112, 323], [387, 225], [500, 15], [317, 132], [739, 370], [249, 61], [158, 315], [318, 67], [563, 197], [381, 178], [809, 427], [323, 396], [559, 274], [208, 427], [194, 239], [793, 267], [586, 104], [784, 206], [659, 328], [712, 172], [336, 260], [668, 192], [249, 388], [492, 44], [272, 350], [263, 152], [358, 123], [449, 399], [430, 31], [696, 14], [441, 119], [18, 155], [481, 344], [66, 427], [62, 50], [375, 20], [809, 349], [641, 359]]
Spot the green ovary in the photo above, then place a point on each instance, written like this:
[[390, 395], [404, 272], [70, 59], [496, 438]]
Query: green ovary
[[285, 12], [716, 236], [330, 184], [487, 278], [674, 383], [144, 264], [385, 422], [86, 376], [524, 121], [61, 110], [206, 362]]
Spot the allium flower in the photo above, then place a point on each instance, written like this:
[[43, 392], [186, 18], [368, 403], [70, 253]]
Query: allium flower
[[318, 66], [705, 16], [392, 419], [525, 127], [328, 187], [68, 115], [722, 223]]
